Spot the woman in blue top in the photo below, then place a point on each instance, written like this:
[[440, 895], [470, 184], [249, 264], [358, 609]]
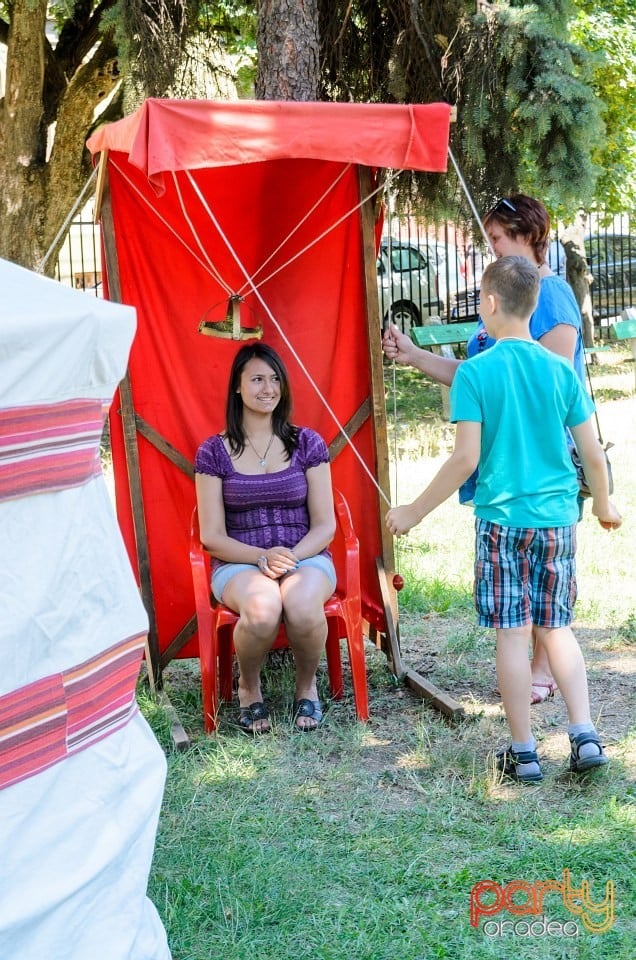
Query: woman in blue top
[[516, 226]]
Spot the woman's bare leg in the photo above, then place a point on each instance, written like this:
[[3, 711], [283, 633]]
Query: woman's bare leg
[[304, 594], [257, 600]]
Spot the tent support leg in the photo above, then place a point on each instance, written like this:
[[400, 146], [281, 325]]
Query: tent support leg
[[130, 445], [441, 700]]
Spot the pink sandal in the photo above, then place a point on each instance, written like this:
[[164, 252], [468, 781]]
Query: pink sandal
[[542, 690], [545, 690]]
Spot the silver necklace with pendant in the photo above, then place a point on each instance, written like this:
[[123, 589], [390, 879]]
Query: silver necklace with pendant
[[261, 460]]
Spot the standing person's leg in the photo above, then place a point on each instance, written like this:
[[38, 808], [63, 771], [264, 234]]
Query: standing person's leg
[[257, 600], [568, 666], [553, 592], [543, 684], [514, 679], [304, 593], [502, 601]]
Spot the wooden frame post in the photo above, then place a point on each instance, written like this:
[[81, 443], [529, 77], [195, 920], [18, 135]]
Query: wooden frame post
[[386, 564], [130, 442]]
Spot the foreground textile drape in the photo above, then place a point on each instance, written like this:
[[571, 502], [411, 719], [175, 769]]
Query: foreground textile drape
[[81, 775]]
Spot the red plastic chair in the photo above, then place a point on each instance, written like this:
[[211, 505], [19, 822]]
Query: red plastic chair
[[343, 611]]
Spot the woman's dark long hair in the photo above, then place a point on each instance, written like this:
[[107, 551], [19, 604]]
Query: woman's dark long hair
[[282, 428], [520, 215]]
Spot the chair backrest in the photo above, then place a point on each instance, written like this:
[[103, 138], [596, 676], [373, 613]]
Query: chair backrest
[[344, 549]]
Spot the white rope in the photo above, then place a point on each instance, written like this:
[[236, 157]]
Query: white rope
[[162, 219], [308, 246], [62, 231], [256, 291], [396, 546], [292, 350], [470, 200], [326, 193], [213, 270]]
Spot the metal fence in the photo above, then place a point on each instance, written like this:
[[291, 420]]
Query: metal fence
[[426, 271]]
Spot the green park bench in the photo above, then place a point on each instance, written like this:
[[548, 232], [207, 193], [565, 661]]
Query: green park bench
[[442, 338], [440, 334], [625, 331]]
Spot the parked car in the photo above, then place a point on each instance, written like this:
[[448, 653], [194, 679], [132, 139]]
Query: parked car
[[465, 305], [407, 284], [612, 261], [450, 268]]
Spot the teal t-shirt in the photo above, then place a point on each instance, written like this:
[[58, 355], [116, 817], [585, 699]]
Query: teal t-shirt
[[523, 395]]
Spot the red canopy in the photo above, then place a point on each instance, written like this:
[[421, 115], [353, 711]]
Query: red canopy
[[165, 135], [261, 200]]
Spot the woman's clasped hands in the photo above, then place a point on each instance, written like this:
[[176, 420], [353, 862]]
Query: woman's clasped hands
[[276, 562]]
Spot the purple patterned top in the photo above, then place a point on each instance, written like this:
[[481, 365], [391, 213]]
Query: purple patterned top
[[267, 509]]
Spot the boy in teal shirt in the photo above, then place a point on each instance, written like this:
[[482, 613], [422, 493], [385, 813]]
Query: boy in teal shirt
[[511, 405]]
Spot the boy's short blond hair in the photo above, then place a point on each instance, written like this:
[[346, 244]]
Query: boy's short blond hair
[[515, 280]]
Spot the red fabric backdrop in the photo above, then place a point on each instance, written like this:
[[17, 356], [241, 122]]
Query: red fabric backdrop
[[179, 376]]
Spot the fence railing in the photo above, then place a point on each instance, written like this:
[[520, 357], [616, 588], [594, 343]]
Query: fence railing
[[424, 270]]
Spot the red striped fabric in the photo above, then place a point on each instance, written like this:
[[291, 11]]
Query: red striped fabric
[[48, 447], [52, 718]]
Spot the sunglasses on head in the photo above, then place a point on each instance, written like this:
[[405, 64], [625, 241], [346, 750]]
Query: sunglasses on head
[[504, 204]]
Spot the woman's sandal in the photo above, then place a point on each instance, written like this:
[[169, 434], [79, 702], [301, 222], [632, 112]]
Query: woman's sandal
[[307, 708], [542, 690], [248, 716]]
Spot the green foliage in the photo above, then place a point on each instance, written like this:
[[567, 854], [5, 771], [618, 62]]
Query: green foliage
[[527, 112], [609, 34]]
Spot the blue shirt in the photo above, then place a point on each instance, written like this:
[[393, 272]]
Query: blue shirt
[[523, 395], [556, 304]]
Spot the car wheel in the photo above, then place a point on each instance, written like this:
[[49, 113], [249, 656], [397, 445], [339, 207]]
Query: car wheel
[[404, 316]]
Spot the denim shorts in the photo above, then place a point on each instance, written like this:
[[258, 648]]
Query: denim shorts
[[224, 573], [524, 575]]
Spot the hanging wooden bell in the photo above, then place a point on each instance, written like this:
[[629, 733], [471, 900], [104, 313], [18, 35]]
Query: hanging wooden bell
[[231, 326]]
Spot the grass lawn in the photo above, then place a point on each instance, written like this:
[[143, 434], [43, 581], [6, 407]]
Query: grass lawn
[[365, 841]]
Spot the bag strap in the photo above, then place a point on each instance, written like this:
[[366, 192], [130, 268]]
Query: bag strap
[[598, 425]]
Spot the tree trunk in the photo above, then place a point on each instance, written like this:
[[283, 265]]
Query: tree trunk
[[45, 116], [23, 140], [578, 275], [288, 50]]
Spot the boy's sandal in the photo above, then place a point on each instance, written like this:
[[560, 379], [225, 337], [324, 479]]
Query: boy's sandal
[[542, 690], [511, 764], [248, 716], [307, 708], [579, 764]]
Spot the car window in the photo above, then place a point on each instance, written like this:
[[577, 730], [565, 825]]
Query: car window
[[405, 258]]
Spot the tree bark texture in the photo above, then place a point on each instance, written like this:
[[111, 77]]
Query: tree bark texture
[[289, 50], [45, 116]]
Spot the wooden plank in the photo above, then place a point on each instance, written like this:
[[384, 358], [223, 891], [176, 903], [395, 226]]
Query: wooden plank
[[376, 367], [163, 446], [439, 698], [178, 643], [180, 738], [437, 334], [99, 188], [391, 644], [419, 684], [132, 453], [351, 428]]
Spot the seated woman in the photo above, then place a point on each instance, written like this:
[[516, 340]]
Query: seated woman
[[266, 515]]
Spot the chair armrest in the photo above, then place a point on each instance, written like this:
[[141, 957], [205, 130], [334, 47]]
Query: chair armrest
[[200, 568]]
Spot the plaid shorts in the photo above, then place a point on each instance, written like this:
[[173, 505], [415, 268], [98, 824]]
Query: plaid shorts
[[524, 575]]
